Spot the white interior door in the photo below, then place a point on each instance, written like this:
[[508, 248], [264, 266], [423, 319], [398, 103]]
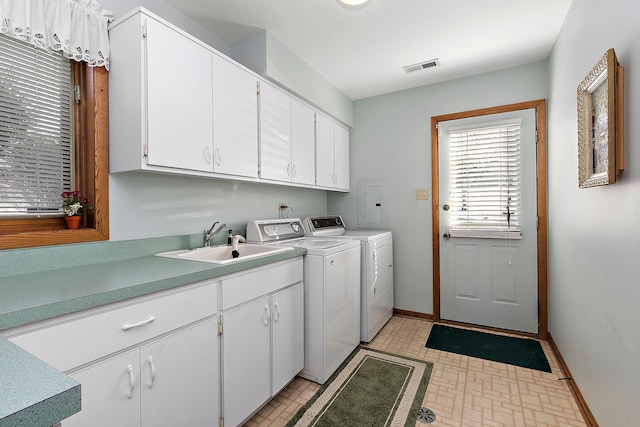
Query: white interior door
[[489, 279]]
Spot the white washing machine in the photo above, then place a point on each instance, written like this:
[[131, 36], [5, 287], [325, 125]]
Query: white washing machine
[[331, 293], [376, 269]]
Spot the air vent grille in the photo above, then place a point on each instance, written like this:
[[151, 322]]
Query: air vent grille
[[421, 66]]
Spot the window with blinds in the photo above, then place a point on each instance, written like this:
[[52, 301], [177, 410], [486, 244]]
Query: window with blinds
[[485, 182], [36, 156]]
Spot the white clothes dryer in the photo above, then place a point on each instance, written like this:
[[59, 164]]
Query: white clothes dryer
[[376, 265], [331, 293]]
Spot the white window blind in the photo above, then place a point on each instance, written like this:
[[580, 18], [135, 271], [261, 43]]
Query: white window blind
[[35, 129], [485, 182]]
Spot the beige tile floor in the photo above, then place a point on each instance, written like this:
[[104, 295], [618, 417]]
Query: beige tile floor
[[463, 391]]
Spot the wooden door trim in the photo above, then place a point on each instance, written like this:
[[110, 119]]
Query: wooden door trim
[[540, 107]]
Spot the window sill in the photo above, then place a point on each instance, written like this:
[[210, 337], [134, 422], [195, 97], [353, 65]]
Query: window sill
[[51, 237], [486, 234]]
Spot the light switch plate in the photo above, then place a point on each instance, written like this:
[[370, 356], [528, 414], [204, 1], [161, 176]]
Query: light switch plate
[[421, 194]]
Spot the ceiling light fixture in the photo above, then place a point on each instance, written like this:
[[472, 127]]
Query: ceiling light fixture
[[353, 4]]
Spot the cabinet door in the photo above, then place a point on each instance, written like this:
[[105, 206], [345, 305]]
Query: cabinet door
[[341, 135], [287, 308], [235, 119], [110, 393], [179, 100], [325, 151], [302, 143], [179, 378], [246, 362], [275, 134]]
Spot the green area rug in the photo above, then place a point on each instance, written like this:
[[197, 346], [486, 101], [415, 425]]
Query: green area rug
[[371, 388], [523, 352]]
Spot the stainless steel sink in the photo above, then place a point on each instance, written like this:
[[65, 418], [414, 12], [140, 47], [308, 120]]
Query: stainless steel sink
[[222, 254]]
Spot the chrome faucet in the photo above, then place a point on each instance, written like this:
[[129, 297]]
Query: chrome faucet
[[208, 235]]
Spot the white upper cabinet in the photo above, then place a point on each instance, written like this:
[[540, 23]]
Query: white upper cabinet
[[275, 134], [177, 105], [179, 100], [332, 154], [302, 143], [235, 119], [286, 137], [161, 88], [341, 141]]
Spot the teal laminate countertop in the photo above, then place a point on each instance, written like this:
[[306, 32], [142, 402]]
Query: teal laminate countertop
[[33, 393]]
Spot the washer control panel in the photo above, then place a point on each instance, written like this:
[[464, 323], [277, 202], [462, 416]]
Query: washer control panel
[[261, 231], [328, 225]]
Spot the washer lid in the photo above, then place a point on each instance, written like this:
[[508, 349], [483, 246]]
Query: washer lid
[[319, 246]]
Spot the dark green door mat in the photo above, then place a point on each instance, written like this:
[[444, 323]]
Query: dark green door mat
[[523, 352], [371, 388]]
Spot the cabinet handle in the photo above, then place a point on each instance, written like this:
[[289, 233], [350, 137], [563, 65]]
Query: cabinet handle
[[152, 369], [289, 170], [217, 157], [207, 155], [294, 171], [136, 325], [276, 315], [132, 381], [266, 316]]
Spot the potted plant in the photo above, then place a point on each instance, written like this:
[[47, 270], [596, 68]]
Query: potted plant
[[72, 205]]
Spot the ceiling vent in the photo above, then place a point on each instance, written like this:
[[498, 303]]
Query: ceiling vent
[[421, 66]]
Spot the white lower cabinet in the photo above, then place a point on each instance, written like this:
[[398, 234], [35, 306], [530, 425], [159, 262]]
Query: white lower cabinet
[[169, 382], [262, 343], [287, 336], [160, 360], [105, 389], [150, 361], [246, 362]]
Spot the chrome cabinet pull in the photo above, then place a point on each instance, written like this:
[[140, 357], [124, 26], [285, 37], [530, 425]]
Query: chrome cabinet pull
[[446, 236], [137, 325]]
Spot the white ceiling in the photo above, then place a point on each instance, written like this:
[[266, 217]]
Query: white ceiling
[[362, 52]]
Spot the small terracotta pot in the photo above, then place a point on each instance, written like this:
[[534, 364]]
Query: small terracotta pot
[[73, 222]]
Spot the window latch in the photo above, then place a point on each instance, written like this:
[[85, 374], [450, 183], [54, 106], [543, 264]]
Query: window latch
[[76, 93]]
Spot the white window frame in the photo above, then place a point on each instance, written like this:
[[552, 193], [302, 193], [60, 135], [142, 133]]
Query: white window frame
[[485, 180]]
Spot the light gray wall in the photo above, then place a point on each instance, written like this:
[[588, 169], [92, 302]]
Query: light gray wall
[[594, 236], [146, 205], [171, 14], [267, 56], [391, 140]]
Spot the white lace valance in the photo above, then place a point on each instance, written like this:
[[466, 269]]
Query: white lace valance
[[77, 28]]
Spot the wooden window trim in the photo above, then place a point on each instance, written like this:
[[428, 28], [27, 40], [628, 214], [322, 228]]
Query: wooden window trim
[[92, 172]]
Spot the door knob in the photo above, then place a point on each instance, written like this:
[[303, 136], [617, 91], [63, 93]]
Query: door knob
[[446, 236], [445, 207]]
